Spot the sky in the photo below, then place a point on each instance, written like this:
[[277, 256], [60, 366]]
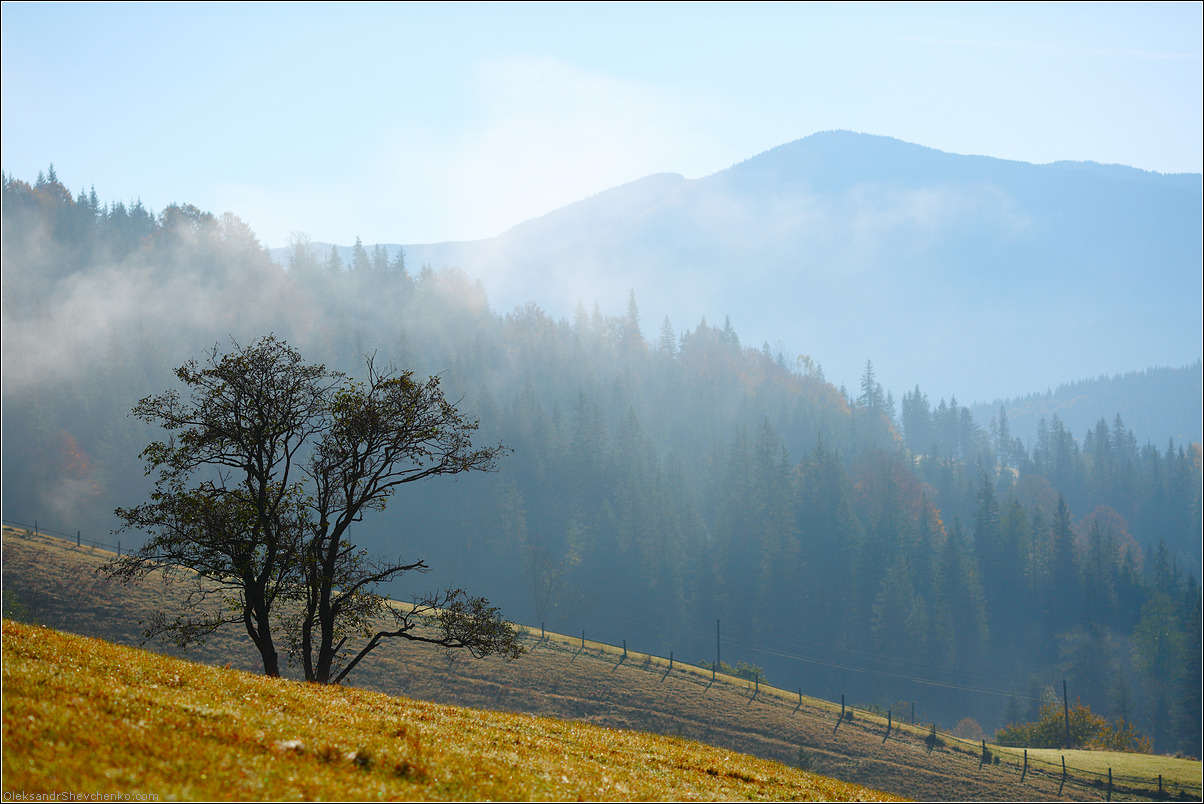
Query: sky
[[427, 122]]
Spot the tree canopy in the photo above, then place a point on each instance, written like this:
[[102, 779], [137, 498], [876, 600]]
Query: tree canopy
[[268, 463]]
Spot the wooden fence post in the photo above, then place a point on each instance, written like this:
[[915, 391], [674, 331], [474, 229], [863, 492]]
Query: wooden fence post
[[1063, 784], [716, 667], [1024, 772], [77, 538], [887, 727], [983, 760], [1109, 784]]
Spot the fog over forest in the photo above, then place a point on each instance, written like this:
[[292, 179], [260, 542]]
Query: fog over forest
[[973, 277], [671, 470]]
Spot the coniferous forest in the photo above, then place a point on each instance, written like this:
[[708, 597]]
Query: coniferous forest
[[663, 476]]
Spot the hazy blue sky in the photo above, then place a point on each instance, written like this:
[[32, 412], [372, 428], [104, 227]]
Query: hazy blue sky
[[425, 122]]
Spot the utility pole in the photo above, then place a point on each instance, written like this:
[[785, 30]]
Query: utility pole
[[1066, 711]]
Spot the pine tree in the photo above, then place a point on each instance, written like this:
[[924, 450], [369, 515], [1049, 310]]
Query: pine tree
[[666, 344]]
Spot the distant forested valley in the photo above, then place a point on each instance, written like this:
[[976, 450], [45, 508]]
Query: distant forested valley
[[663, 477]]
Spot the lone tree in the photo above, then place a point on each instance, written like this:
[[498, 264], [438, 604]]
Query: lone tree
[[268, 463]]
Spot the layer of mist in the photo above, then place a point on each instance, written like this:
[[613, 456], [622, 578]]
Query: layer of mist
[[969, 275], [661, 478]]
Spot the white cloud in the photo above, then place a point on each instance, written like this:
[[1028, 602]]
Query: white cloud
[[547, 134], [523, 137]]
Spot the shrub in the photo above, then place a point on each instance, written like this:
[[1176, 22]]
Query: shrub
[[742, 670], [749, 671], [968, 729], [1122, 736], [1087, 730]]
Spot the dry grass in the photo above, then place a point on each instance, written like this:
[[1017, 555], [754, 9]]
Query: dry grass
[[1177, 774], [85, 715], [559, 679]]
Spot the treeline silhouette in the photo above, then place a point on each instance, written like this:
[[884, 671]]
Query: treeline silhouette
[[660, 478]]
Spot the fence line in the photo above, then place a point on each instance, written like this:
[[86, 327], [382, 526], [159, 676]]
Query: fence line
[[895, 729], [38, 531]]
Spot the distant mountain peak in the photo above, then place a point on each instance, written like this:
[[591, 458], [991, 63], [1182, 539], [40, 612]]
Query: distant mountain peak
[[968, 274]]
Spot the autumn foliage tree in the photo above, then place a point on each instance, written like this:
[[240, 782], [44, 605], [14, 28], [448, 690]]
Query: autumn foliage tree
[[1076, 727]]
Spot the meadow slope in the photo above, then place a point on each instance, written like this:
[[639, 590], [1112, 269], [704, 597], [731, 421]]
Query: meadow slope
[[82, 714], [595, 685]]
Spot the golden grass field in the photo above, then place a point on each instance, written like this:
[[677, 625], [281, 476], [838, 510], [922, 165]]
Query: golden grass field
[[1177, 774], [597, 685], [85, 715]]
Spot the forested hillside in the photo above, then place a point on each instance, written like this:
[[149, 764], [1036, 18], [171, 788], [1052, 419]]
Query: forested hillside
[[662, 478], [1013, 273], [1160, 403]]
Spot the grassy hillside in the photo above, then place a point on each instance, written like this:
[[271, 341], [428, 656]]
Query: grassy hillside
[[84, 714], [595, 685]]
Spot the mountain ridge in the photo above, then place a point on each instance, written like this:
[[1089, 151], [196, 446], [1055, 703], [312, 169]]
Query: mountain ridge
[[989, 275], [1160, 402]]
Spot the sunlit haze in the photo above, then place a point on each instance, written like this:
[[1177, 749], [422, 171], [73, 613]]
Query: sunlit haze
[[420, 123], [870, 331]]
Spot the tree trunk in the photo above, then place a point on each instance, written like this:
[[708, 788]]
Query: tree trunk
[[327, 612], [261, 635], [259, 627]]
